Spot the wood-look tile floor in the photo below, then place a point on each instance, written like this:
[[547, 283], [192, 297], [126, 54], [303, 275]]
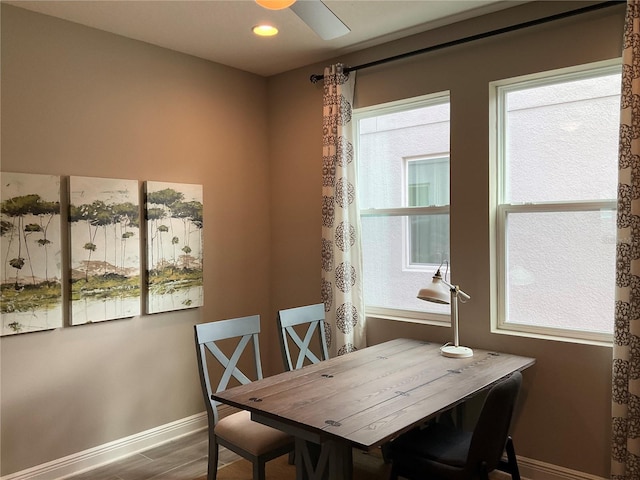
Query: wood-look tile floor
[[186, 459], [183, 458]]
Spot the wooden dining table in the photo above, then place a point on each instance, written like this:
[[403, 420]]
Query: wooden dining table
[[365, 398]]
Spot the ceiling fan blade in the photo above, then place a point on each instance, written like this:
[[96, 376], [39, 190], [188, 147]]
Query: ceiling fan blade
[[321, 20]]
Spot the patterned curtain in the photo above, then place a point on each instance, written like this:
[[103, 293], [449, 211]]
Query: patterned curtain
[[625, 462], [341, 251]]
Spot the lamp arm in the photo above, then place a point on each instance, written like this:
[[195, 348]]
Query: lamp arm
[[455, 291], [455, 294], [463, 296]]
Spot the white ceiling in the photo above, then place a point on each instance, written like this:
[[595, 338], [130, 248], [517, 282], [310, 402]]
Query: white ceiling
[[220, 30]]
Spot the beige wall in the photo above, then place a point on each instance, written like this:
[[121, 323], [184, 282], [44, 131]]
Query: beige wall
[[565, 419], [76, 101]]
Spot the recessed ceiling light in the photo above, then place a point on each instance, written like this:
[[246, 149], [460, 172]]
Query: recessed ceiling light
[[275, 4], [265, 30]]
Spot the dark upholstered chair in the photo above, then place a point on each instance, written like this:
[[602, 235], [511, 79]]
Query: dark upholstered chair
[[311, 316], [445, 452], [237, 432]]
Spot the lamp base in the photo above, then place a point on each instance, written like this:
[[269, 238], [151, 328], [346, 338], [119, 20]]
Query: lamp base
[[455, 352]]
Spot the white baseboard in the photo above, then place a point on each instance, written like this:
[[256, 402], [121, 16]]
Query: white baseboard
[[112, 451], [109, 452], [537, 470]]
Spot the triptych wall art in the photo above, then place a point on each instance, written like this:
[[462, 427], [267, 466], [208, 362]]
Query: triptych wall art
[[105, 240]]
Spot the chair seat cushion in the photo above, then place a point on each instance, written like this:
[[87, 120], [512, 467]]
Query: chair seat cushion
[[436, 450], [251, 436]]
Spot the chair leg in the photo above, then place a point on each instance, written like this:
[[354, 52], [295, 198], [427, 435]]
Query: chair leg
[[212, 467], [258, 469], [393, 475], [385, 449], [512, 460], [483, 472]]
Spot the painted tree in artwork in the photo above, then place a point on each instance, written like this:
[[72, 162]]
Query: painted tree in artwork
[[114, 220], [126, 216], [154, 215], [171, 205], [18, 209], [94, 215], [167, 199], [101, 217], [191, 215]]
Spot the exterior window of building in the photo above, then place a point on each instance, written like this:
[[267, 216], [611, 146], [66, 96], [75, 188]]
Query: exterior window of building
[[402, 151], [557, 157], [428, 185]]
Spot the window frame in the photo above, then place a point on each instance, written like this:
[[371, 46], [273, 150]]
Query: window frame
[[437, 98], [497, 93]]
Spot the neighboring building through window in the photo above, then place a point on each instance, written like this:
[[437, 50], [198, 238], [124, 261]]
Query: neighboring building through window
[[402, 151], [428, 186], [556, 152]]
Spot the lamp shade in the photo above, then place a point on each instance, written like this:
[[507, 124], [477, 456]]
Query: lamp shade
[[437, 291]]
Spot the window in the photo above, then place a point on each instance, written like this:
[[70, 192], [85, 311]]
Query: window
[[403, 185], [428, 185], [557, 153]]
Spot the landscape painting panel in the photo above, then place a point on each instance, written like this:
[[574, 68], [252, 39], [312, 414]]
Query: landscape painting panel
[[31, 250], [174, 246], [104, 222]]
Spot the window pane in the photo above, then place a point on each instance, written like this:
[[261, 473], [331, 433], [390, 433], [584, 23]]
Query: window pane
[[429, 240], [387, 282], [562, 140], [428, 182], [561, 269]]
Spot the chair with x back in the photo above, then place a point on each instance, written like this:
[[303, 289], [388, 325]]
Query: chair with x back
[[446, 452], [311, 316], [237, 432]]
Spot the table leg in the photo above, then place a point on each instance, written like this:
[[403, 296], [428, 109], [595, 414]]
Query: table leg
[[330, 460]]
